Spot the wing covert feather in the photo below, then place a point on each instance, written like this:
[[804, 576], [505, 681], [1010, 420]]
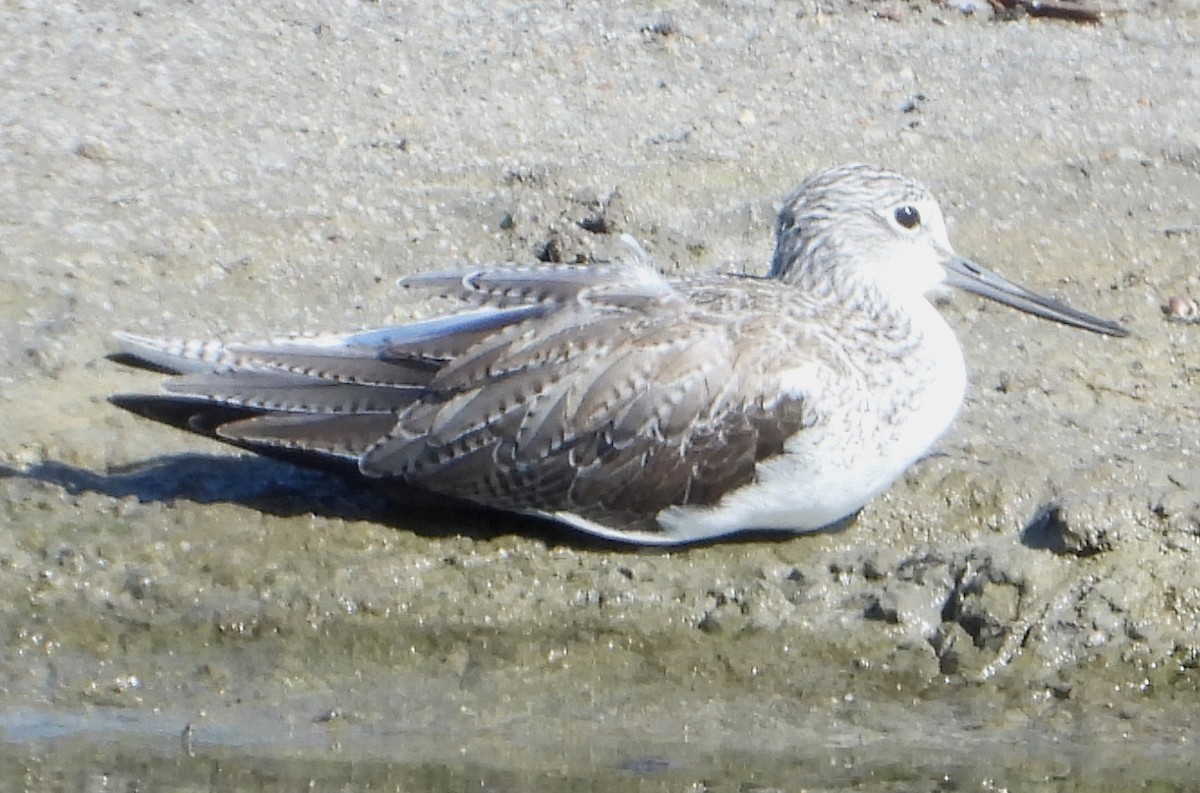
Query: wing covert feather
[[598, 395], [612, 415]]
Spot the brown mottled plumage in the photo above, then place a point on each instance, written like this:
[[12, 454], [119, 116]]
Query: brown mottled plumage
[[627, 405]]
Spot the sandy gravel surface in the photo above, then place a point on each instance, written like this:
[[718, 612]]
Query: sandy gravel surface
[[231, 170]]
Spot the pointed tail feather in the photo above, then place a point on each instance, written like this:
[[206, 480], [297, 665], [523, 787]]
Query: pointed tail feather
[[347, 436]]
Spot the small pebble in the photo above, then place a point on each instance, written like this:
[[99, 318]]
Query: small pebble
[[1182, 309]]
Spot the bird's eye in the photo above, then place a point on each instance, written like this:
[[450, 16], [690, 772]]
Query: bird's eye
[[908, 217]]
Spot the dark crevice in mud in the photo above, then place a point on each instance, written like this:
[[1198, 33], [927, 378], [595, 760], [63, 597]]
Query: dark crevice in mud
[[1050, 530]]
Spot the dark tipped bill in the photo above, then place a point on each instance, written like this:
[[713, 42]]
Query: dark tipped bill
[[970, 277]]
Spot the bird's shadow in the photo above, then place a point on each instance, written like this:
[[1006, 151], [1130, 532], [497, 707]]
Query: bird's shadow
[[283, 489]]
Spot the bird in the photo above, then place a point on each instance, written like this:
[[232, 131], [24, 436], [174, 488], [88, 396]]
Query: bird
[[624, 404]]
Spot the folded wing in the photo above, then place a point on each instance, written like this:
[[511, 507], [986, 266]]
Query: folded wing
[[594, 395]]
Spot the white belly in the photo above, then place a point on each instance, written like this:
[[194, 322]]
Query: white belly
[[858, 448]]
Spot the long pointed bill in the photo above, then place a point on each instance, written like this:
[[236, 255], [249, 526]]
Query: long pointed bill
[[967, 275]]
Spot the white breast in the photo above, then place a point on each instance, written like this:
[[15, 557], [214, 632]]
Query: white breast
[[867, 437]]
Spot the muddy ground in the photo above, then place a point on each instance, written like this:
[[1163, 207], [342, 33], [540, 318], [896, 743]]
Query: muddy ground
[[169, 607]]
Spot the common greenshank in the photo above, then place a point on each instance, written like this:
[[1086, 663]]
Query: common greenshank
[[624, 404]]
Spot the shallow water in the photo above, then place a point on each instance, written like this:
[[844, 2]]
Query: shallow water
[[111, 750]]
